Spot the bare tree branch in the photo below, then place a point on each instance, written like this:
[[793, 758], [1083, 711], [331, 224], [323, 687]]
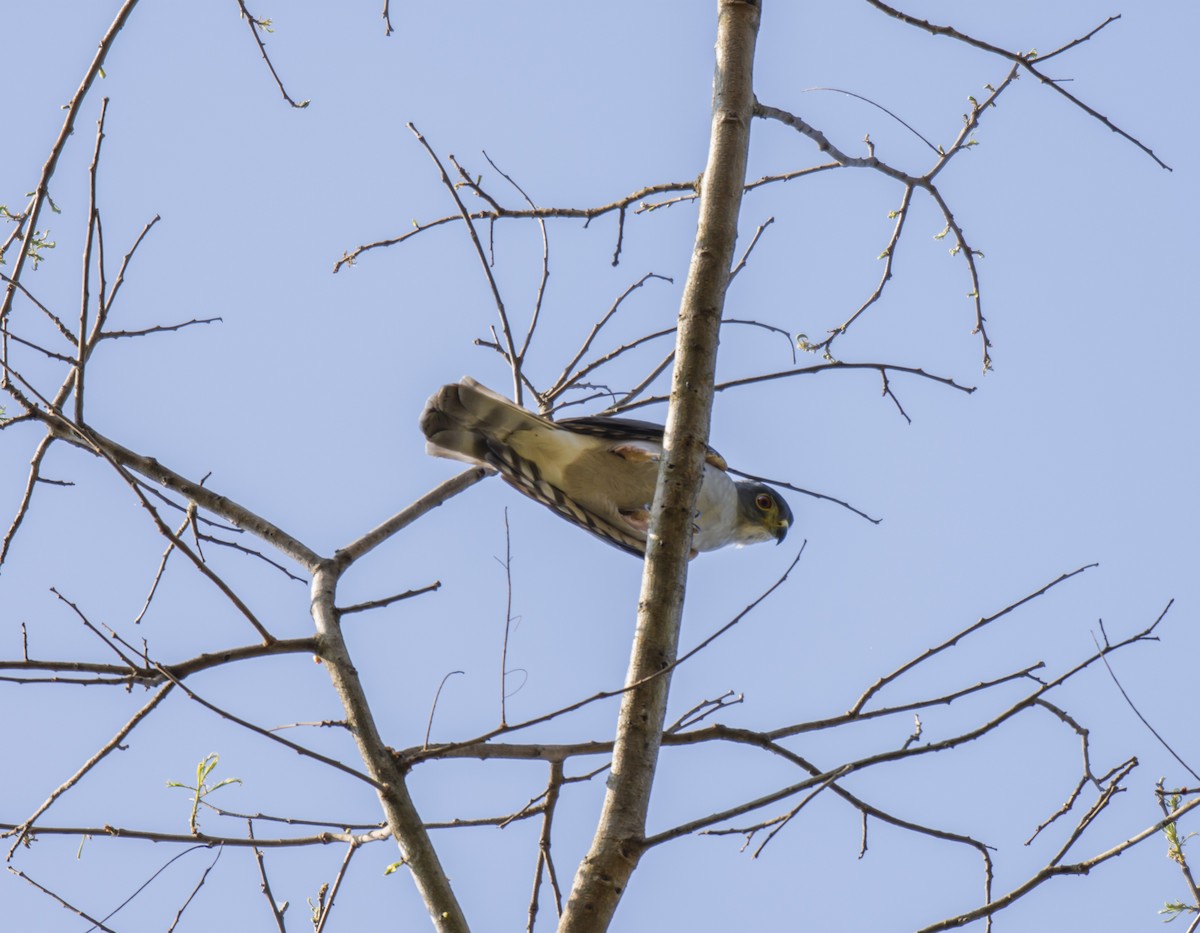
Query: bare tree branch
[[617, 845], [85, 277], [255, 25], [565, 380], [509, 340], [21, 831], [1025, 60], [195, 891], [276, 912], [167, 478], [406, 516], [801, 371], [1145, 722], [1050, 871], [96, 924], [954, 640], [41, 191], [397, 804], [268, 734], [337, 883]]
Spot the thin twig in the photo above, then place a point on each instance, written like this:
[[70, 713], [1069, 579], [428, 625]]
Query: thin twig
[[888, 256], [1145, 722], [162, 566], [96, 924], [345, 556], [157, 328], [487, 269], [205, 840], [241, 548], [133, 665], [806, 492], [1051, 871], [195, 890], [35, 466], [85, 278], [955, 639], [877, 106], [541, 292], [388, 600], [41, 191], [801, 371], [477, 744], [787, 336], [575, 379], [265, 24], [150, 676], [333, 890], [267, 733], [584, 213], [778, 828], [1175, 842], [50, 315], [1025, 60], [110, 299], [21, 831], [703, 710], [545, 862], [508, 618], [563, 382], [433, 705], [741, 263], [166, 478], [266, 885]]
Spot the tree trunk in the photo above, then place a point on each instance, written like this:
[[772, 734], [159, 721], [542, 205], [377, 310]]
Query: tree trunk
[[617, 846]]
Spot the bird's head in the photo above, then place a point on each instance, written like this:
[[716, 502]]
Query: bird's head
[[762, 514]]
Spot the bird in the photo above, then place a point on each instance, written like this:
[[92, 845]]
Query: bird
[[597, 472]]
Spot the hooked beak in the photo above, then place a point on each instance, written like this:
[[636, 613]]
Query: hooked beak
[[781, 532]]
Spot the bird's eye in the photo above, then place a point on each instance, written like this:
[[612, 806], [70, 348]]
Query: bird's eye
[[763, 501]]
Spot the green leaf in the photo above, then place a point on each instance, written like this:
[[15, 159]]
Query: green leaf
[[201, 789]]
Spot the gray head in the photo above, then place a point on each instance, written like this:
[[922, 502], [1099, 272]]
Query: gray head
[[762, 514]]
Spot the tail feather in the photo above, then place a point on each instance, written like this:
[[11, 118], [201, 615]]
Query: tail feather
[[467, 421]]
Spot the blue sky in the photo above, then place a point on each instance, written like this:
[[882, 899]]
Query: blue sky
[[302, 403]]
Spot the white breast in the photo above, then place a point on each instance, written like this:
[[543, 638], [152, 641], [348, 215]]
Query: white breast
[[716, 509]]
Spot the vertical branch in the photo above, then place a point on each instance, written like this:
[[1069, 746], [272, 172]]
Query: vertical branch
[[545, 863], [337, 883], [619, 840], [541, 292], [276, 912], [81, 334], [507, 621]]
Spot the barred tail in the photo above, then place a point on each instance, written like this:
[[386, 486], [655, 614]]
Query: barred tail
[[468, 421]]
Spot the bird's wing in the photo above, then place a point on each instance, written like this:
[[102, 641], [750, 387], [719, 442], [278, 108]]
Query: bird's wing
[[629, 429], [524, 474]]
